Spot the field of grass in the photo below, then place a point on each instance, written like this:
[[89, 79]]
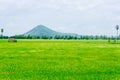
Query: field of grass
[[59, 60]]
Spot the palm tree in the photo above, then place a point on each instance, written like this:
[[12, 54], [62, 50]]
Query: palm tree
[[117, 28], [2, 30]]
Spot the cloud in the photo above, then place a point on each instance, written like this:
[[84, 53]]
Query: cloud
[[71, 15], [55, 4]]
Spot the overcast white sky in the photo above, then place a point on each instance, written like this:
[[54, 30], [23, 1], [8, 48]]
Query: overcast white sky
[[91, 17]]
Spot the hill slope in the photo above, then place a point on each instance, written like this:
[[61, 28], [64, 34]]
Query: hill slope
[[41, 30]]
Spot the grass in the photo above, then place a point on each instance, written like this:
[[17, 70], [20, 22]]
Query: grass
[[59, 60]]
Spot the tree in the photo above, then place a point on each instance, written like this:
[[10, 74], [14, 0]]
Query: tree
[[2, 30], [117, 28]]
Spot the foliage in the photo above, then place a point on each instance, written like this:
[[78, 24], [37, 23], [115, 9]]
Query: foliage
[[3, 37], [68, 37], [64, 37]]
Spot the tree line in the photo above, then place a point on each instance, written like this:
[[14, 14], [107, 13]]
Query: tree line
[[66, 37]]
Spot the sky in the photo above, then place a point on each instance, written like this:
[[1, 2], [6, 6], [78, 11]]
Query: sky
[[85, 17]]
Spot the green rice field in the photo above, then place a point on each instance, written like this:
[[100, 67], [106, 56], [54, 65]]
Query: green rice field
[[59, 60]]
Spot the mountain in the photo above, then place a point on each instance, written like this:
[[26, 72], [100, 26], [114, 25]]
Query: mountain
[[42, 30]]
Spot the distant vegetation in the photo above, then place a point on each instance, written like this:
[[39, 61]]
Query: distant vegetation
[[68, 37], [3, 37], [43, 32]]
